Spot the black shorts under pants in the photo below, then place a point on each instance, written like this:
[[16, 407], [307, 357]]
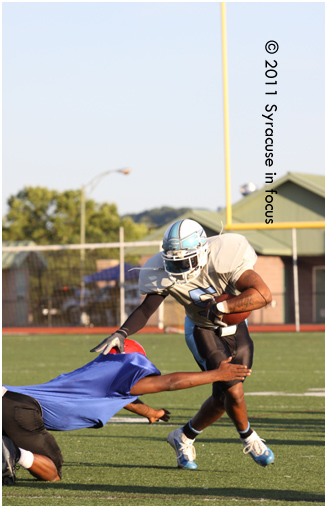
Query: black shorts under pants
[[23, 423], [213, 349]]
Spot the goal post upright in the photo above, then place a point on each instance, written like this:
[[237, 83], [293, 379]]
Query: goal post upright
[[226, 114], [229, 223], [229, 226]]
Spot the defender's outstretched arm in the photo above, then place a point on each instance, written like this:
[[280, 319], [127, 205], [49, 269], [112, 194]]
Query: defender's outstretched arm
[[183, 380]]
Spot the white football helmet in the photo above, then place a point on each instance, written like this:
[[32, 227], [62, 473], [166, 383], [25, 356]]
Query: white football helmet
[[185, 250]]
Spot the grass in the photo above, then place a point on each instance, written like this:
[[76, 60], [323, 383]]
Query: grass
[[130, 464]]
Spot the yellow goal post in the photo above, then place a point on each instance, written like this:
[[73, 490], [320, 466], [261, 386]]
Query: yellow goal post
[[249, 225]]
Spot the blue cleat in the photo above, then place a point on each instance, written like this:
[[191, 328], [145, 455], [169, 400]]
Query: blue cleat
[[185, 451], [256, 447]]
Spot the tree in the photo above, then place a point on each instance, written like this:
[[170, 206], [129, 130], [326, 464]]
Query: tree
[[49, 217]]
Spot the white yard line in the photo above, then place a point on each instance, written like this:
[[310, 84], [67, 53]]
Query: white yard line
[[312, 392], [117, 419]]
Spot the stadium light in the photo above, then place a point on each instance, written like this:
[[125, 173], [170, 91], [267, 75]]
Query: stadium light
[[91, 186]]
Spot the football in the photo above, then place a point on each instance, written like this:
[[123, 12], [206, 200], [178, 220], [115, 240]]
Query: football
[[231, 319]]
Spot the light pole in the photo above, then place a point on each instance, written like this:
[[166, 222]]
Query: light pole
[[91, 184]]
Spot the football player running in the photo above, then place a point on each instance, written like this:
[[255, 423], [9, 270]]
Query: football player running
[[194, 269]]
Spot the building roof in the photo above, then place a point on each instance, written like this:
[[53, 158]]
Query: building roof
[[19, 259], [314, 183], [299, 197]]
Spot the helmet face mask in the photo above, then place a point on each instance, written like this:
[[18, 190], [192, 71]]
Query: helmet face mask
[[185, 250]]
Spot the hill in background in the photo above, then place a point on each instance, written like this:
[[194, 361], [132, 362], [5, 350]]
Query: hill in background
[[157, 217]]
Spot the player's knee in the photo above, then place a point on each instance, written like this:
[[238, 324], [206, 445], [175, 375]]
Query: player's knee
[[235, 394]]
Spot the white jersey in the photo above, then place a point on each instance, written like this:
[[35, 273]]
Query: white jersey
[[229, 256]]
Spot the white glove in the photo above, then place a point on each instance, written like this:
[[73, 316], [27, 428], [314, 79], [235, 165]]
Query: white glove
[[117, 339], [214, 314]]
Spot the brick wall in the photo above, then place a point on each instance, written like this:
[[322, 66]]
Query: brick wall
[[271, 269]]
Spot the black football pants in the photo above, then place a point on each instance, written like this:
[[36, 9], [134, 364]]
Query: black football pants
[[213, 349], [22, 422]]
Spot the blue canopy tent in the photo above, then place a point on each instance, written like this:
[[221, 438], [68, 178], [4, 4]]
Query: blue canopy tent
[[113, 273]]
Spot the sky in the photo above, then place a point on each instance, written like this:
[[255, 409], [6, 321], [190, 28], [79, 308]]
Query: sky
[[92, 87]]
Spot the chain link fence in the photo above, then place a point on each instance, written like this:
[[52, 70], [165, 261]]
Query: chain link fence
[[97, 285]]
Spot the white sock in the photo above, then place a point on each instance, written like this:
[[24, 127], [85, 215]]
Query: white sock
[[26, 458]]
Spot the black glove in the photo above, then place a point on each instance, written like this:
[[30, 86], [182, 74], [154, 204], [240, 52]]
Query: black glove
[[215, 315], [117, 339]]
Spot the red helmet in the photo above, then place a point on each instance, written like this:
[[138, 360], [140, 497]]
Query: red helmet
[[130, 346]]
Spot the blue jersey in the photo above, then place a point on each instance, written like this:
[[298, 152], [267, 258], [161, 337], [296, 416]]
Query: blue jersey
[[92, 394]]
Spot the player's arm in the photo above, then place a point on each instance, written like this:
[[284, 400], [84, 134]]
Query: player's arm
[[135, 322], [153, 415], [183, 380], [254, 294]]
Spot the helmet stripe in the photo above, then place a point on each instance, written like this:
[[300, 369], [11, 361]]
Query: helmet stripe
[[174, 235], [175, 229]]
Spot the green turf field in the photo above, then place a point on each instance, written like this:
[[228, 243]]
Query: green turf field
[[130, 464]]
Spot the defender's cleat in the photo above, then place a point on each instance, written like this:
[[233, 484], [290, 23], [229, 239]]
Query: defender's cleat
[[185, 451], [256, 447], [10, 456]]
